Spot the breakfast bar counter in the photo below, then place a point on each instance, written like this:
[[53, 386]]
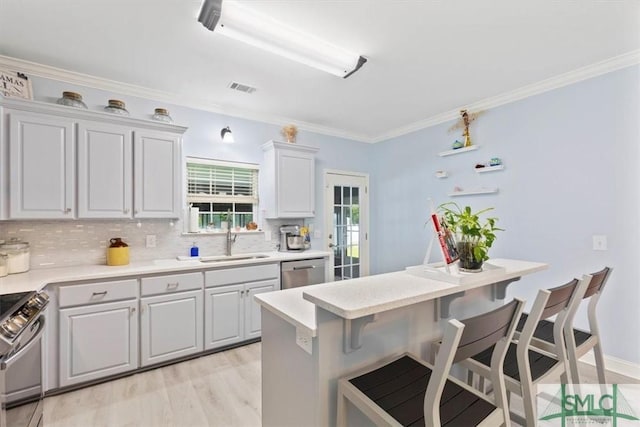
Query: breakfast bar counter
[[314, 335]]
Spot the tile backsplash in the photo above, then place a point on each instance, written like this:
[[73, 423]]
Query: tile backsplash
[[84, 242]]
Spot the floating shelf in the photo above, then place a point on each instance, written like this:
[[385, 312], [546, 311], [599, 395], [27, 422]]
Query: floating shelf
[[474, 192], [458, 151], [490, 169]]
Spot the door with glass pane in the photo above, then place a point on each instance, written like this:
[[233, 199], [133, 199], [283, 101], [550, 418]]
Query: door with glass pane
[[347, 225]]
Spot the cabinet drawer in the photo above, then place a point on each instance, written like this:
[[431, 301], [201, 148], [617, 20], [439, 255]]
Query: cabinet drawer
[[241, 275], [98, 292], [171, 283]]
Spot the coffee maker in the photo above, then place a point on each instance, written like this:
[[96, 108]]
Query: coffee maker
[[291, 239]]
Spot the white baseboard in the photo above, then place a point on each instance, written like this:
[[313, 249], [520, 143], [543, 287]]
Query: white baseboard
[[614, 364]]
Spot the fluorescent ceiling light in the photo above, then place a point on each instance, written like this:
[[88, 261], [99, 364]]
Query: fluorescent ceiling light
[[261, 31]]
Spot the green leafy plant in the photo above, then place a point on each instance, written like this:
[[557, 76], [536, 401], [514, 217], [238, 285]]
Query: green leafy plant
[[472, 233]]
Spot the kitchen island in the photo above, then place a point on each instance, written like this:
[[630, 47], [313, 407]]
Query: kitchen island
[[314, 335]]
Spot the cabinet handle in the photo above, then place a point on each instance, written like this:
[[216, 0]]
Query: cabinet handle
[[241, 293], [126, 210], [173, 285], [67, 210], [133, 309], [99, 294], [136, 212]]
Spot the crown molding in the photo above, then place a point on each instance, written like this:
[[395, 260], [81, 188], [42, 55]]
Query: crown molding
[[72, 77], [593, 70], [556, 82]]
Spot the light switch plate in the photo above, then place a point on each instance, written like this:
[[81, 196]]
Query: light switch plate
[[599, 242], [317, 234]]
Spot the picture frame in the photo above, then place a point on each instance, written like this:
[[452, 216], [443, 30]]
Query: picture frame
[[15, 84]]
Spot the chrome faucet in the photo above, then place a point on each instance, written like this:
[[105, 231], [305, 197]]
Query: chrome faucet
[[230, 240]]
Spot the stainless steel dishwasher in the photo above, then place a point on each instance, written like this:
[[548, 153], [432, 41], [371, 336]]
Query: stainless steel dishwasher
[[302, 273]]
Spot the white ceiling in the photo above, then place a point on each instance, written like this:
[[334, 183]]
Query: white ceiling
[[425, 57]]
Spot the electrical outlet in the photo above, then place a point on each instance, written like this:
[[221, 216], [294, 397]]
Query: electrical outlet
[[151, 240], [599, 243]]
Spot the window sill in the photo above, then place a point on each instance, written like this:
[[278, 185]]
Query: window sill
[[220, 232]]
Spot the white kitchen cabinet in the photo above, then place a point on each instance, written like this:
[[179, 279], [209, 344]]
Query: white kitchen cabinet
[[104, 171], [125, 167], [287, 180], [252, 316], [230, 313], [97, 341], [42, 166], [224, 316], [157, 175], [170, 326]]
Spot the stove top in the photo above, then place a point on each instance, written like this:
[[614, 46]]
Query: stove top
[[17, 313], [9, 303]]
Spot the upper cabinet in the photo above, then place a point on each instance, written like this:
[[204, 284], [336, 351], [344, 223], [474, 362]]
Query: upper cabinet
[[157, 177], [125, 168], [41, 166], [104, 170], [287, 181]]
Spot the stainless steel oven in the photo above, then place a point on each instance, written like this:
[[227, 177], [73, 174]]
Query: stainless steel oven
[[21, 376]]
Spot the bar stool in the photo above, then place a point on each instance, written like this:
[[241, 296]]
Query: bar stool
[[407, 391], [578, 342], [525, 366]]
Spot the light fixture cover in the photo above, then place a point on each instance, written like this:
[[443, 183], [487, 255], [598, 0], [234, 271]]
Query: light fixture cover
[[210, 13], [261, 31], [226, 135]]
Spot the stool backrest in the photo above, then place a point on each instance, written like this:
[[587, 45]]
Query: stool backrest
[[461, 339], [597, 282], [483, 331]]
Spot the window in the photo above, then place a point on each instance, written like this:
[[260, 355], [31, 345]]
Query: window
[[217, 187]]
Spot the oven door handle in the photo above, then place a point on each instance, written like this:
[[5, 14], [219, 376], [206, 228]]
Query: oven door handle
[[4, 364]]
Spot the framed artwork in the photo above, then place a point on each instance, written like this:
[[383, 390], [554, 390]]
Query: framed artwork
[[15, 84]]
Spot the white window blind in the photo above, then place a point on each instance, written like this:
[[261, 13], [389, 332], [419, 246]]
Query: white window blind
[[212, 181]]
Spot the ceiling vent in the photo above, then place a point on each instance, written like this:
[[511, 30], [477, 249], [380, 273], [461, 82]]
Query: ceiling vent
[[242, 88]]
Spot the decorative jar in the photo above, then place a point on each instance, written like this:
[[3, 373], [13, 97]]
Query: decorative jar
[[116, 107], [162, 115], [72, 99]]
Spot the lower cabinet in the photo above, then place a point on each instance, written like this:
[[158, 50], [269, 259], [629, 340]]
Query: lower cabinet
[[230, 313], [170, 326], [98, 340]]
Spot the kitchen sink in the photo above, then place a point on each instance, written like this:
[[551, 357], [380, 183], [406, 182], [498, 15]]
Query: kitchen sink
[[231, 258]]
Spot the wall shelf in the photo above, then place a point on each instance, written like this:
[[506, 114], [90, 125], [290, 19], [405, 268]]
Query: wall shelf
[[490, 169], [458, 151], [474, 192]]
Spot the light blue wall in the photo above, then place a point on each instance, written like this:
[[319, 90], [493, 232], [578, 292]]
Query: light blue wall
[[571, 171]]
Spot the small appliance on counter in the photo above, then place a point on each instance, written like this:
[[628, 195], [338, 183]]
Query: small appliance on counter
[[117, 252], [291, 239], [16, 255]]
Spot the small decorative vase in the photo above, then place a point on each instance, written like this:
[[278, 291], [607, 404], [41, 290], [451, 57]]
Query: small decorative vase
[[467, 261], [495, 161], [457, 144]]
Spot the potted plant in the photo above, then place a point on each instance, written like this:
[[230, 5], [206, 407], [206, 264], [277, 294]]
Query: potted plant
[[474, 236]]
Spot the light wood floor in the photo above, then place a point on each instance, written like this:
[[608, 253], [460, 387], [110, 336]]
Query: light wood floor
[[222, 389]]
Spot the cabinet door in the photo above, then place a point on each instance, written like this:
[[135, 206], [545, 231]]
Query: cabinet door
[[223, 316], [97, 341], [170, 326], [252, 322], [104, 171], [41, 166], [296, 178], [157, 175]]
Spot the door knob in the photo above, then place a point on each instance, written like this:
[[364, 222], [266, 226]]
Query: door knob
[[331, 245]]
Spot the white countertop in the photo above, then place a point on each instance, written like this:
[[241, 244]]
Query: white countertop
[[37, 279], [356, 298]]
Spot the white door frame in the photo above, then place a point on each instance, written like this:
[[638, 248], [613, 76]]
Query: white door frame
[[364, 216]]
